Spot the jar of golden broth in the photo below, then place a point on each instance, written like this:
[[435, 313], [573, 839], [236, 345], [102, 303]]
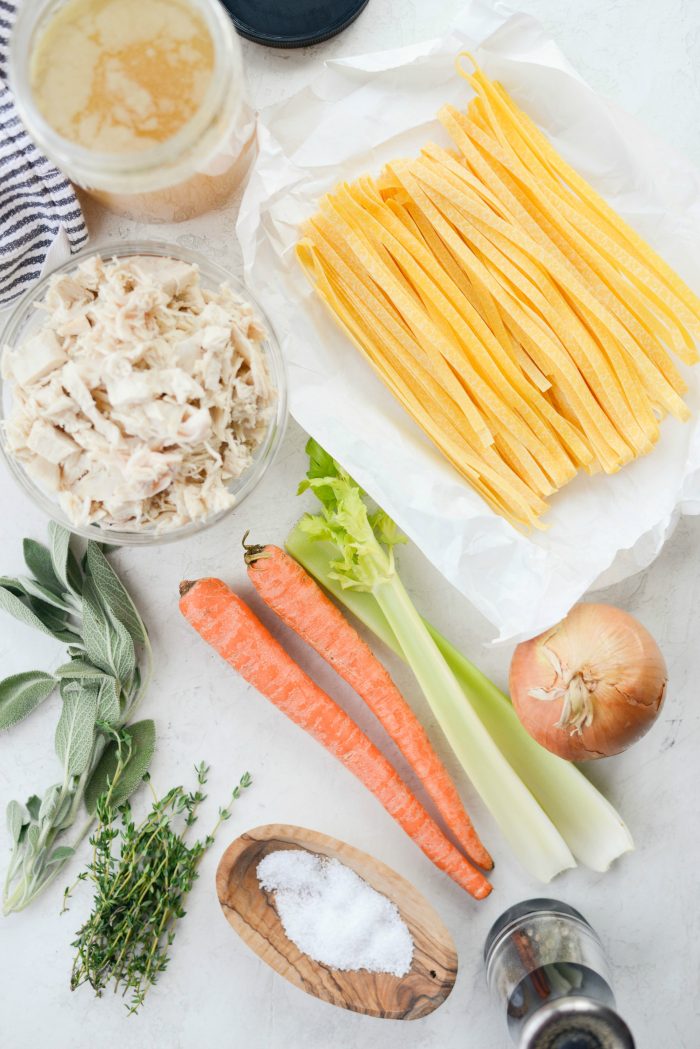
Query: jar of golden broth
[[140, 102]]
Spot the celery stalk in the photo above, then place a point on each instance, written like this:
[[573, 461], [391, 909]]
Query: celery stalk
[[317, 557], [590, 826], [365, 562], [588, 823], [529, 832]]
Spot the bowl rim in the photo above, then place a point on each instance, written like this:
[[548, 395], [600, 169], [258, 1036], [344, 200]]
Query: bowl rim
[[264, 455]]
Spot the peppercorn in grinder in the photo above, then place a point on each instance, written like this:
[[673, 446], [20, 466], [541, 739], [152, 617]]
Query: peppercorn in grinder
[[546, 965]]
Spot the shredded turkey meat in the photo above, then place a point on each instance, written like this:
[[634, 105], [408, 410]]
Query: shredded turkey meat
[[141, 397]]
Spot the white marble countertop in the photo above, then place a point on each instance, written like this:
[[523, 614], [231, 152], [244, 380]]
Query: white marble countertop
[[646, 56]]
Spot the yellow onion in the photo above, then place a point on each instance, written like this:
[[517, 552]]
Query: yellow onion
[[590, 686]]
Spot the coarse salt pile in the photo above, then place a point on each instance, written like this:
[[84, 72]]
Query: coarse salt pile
[[335, 917]]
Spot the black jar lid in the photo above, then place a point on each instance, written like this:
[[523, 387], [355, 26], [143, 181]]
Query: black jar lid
[[292, 23]]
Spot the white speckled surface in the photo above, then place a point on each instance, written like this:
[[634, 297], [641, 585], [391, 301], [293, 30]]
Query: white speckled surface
[[646, 55]]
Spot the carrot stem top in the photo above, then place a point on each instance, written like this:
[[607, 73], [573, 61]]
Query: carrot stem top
[[253, 552]]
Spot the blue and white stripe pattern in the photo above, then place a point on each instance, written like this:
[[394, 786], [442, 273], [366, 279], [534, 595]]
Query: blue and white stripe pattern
[[38, 206]]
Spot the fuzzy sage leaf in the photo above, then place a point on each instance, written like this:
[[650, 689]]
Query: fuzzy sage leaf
[[50, 804], [75, 731], [108, 707], [42, 593], [113, 593], [60, 546], [78, 675], [25, 599], [60, 855], [15, 820], [141, 741], [123, 651], [79, 669], [63, 561], [9, 602], [100, 685], [20, 694], [33, 806], [107, 641], [55, 621], [37, 558]]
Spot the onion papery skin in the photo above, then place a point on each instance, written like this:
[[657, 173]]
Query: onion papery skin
[[610, 669]]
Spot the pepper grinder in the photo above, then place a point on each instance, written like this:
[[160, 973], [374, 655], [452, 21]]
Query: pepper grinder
[[546, 966]]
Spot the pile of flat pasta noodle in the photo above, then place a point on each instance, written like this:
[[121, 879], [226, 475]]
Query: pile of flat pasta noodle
[[522, 324]]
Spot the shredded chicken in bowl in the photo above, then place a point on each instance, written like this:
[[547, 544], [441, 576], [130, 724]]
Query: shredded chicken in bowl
[[141, 396]]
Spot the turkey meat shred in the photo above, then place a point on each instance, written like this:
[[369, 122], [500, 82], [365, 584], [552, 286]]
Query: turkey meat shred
[[141, 397]]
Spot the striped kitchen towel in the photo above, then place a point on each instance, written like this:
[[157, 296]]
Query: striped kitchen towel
[[40, 217]]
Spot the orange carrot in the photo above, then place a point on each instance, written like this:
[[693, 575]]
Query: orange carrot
[[229, 626], [300, 603]]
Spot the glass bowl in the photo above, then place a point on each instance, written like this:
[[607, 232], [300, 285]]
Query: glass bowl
[[25, 319]]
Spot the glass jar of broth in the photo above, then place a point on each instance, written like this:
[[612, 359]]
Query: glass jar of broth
[[546, 966], [140, 102]]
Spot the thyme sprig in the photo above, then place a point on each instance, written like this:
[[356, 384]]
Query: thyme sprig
[[142, 874]]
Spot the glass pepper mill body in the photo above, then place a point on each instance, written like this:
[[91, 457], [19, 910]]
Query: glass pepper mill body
[[546, 965]]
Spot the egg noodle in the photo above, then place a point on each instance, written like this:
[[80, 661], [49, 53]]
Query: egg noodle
[[525, 327]]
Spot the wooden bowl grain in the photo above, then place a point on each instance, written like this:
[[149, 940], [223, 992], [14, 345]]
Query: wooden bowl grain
[[251, 912]]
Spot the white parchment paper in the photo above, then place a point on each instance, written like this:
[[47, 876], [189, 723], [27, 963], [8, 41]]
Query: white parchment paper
[[357, 114]]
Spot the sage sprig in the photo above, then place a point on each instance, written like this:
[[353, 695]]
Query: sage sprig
[[85, 605], [141, 874]]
